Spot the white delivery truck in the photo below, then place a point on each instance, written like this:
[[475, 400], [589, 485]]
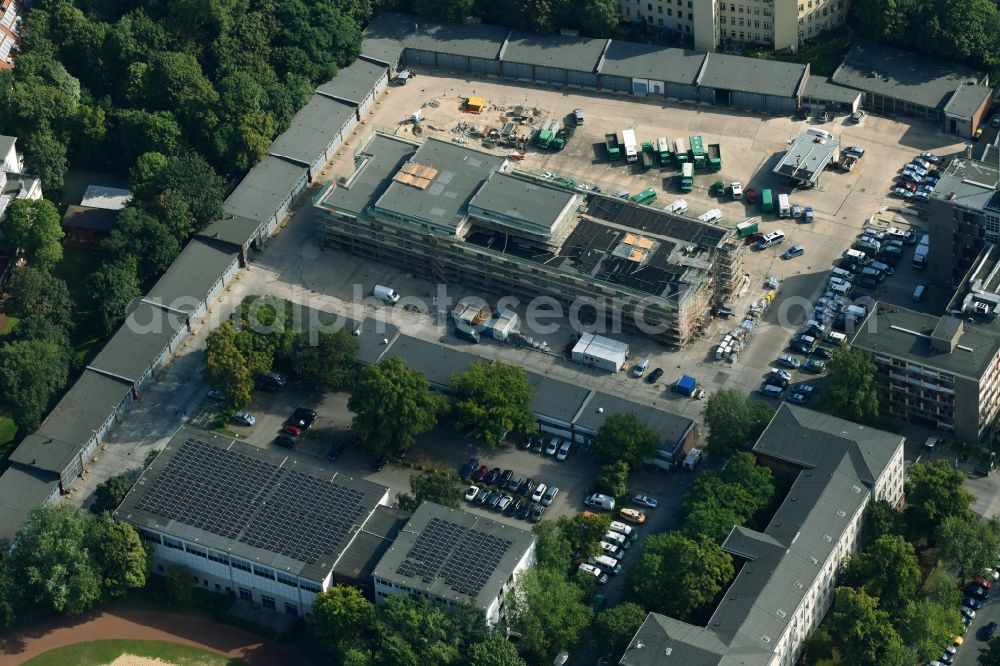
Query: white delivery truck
[[784, 207], [677, 207], [387, 294], [628, 138], [692, 459]]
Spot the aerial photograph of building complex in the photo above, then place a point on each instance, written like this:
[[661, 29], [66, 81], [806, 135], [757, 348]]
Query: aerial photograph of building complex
[[434, 332]]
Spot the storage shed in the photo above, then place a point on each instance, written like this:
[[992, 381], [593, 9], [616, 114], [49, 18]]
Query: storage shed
[[648, 69], [473, 48], [599, 352], [558, 60], [752, 83], [266, 193], [315, 133], [358, 85]]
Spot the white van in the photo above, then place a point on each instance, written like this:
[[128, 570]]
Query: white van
[[856, 256], [677, 207], [606, 564], [773, 238], [771, 390], [713, 215], [784, 207], [599, 501], [841, 273], [617, 539], [834, 281], [692, 459], [387, 294], [836, 338], [627, 530], [842, 289], [821, 133]]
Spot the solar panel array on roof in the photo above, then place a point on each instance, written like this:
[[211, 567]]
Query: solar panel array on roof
[[464, 558], [223, 491], [656, 222]]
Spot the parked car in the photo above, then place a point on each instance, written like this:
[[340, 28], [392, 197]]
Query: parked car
[[645, 500], [504, 502], [590, 570], [966, 611], [334, 451], [976, 591], [550, 496], [564, 450], [513, 507], [538, 444], [813, 366], [972, 603], [471, 493], [535, 514], [633, 516], [468, 468], [485, 495], [552, 446], [987, 632], [504, 478], [526, 442], [788, 361], [793, 251], [599, 501], [494, 501], [526, 488], [525, 509], [302, 418], [480, 473], [492, 477], [930, 157], [855, 150], [539, 492], [781, 374], [285, 440], [244, 418], [823, 353], [216, 394], [808, 214], [901, 193], [654, 375]]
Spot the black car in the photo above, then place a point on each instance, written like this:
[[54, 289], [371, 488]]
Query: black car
[[492, 476], [537, 444], [986, 633], [777, 381], [334, 452], [505, 478], [513, 507], [466, 472], [302, 418], [823, 353], [380, 463], [976, 591], [972, 603], [484, 497], [526, 442], [525, 509], [654, 375], [285, 440], [526, 488], [868, 282], [495, 498]]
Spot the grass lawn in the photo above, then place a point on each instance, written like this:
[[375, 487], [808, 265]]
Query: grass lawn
[[6, 324], [7, 432], [99, 653], [77, 263]]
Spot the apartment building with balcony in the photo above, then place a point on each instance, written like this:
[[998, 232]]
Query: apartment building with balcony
[[786, 574], [779, 24], [943, 371], [468, 219]]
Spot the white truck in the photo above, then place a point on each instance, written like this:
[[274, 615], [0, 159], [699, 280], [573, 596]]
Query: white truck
[[784, 207], [692, 459], [387, 294], [920, 254], [677, 207], [628, 138]]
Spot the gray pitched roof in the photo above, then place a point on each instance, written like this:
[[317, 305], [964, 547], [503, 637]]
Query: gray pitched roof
[[649, 61], [663, 641], [264, 189], [46, 454], [131, 351], [903, 75], [6, 143], [313, 129], [194, 272], [756, 75], [23, 491], [383, 156], [967, 100], [561, 51], [354, 82], [94, 219]]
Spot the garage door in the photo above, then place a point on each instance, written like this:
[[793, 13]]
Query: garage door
[[681, 91], [747, 100], [553, 75], [640, 86], [484, 67], [780, 104], [425, 58], [582, 79], [450, 61]]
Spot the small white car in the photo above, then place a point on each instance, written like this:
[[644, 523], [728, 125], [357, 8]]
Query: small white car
[[737, 189], [244, 418], [471, 493]]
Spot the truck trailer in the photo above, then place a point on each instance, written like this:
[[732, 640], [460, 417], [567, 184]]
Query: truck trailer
[[628, 138], [698, 153], [680, 152], [647, 196], [714, 157], [687, 177], [647, 155], [612, 146], [663, 151]]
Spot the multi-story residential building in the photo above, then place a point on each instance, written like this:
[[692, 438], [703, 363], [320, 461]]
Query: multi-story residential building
[[939, 370], [454, 558], [10, 31], [963, 216], [786, 575], [466, 218], [781, 24]]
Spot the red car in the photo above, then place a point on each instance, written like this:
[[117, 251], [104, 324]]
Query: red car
[[751, 196], [294, 431], [480, 473], [908, 185], [982, 582]]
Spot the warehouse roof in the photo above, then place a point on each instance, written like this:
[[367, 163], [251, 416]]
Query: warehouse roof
[[22, 491], [968, 99], [360, 559], [648, 61], [969, 183], [194, 272], [436, 361], [264, 189], [557, 51], [271, 508], [353, 83], [670, 427], [232, 229], [383, 38], [895, 331], [140, 340], [381, 157], [527, 203], [454, 555], [754, 75], [806, 158], [557, 400], [827, 91], [91, 400], [457, 173], [472, 39], [919, 80], [313, 130], [46, 454]]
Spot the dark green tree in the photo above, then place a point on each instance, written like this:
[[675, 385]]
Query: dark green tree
[[614, 627], [624, 438], [968, 543], [552, 551], [927, 625], [676, 575], [934, 492], [31, 228], [433, 485], [328, 363], [990, 656], [548, 611], [887, 570], [32, 372], [495, 651], [45, 156], [142, 236], [340, 616], [599, 17], [734, 423], [113, 288], [183, 191], [34, 292], [861, 631], [881, 519], [415, 631], [178, 587], [852, 388], [118, 553], [225, 367], [137, 131], [392, 404], [109, 494], [583, 533], [492, 399], [614, 479]]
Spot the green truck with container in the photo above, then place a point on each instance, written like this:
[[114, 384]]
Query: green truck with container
[[687, 177], [698, 156], [561, 138], [647, 196], [680, 152], [746, 228], [767, 201], [714, 157], [647, 155], [663, 151], [612, 146]]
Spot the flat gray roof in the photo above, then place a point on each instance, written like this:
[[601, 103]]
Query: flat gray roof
[[476, 40], [380, 159], [807, 157], [264, 189], [555, 399], [194, 272], [369, 333], [559, 51], [532, 205], [826, 90], [919, 80], [454, 555], [967, 100], [436, 361], [269, 507], [22, 491], [84, 409], [755, 75], [969, 183], [232, 229], [360, 559], [670, 427], [442, 203], [648, 61], [894, 331], [354, 82], [313, 129], [46, 454], [383, 38], [144, 334]]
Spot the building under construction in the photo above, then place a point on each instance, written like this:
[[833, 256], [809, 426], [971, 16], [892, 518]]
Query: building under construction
[[466, 218]]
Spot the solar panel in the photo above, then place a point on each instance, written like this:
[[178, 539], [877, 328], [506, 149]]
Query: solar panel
[[256, 502]]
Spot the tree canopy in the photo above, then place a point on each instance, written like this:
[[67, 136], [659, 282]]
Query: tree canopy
[[327, 364], [433, 485], [934, 492], [624, 438], [113, 288], [492, 399], [852, 387], [734, 422], [969, 543], [225, 367], [109, 494], [614, 627], [548, 611], [35, 292], [719, 500], [32, 230], [887, 570], [862, 632], [32, 372]]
